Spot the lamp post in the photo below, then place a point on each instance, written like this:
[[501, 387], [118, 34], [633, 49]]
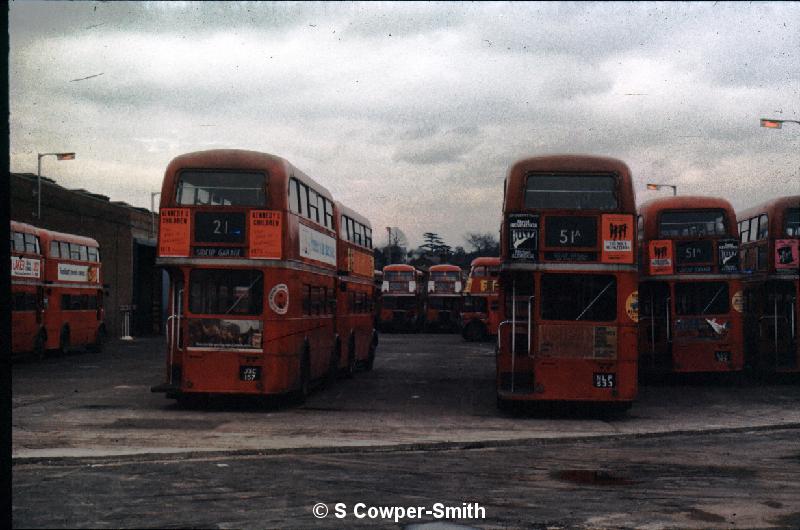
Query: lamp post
[[39, 156], [659, 186], [770, 123], [153, 213]]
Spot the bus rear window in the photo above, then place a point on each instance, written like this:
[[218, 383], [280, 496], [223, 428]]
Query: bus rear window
[[221, 188], [226, 292], [692, 223], [589, 297], [571, 191], [445, 276], [701, 298], [793, 222], [404, 303], [398, 276]]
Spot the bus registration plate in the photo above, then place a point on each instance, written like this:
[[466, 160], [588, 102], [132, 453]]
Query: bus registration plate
[[605, 380], [249, 373]]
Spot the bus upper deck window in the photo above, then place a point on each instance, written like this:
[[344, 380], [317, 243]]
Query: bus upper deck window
[[571, 191], [221, 188]]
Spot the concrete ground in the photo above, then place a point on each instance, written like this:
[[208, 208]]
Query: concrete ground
[[92, 447]]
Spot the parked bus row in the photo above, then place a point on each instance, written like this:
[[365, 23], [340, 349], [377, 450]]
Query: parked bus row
[[56, 294], [593, 292], [270, 279], [413, 300]]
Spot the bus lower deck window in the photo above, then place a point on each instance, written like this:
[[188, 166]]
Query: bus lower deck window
[[590, 297], [701, 298], [237, 292]]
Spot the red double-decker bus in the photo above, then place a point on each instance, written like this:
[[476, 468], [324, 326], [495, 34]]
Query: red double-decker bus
[[401, 298], [355, 313], [568, 282], [443, 301], [770, 242], [28, 333], [250, 245], [73, 294], [690, 292], [480, 312]]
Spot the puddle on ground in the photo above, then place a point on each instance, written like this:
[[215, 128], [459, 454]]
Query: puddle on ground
[[176, 424], [592, 477]]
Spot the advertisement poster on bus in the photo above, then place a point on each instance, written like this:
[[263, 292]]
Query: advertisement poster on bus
[[787, 255], [360, 263], [317, 246], [26, 267], [728, 255], [523, 233], [173, 232], [659, 253], [68, 272], [216, 333], [617, 233], [265, 234]]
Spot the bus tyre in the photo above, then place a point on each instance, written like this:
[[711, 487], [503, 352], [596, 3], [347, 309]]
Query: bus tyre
[[351, 358], [39, 345], [373, 345], [63, 342], [474, 331], [333, 368], [100, 340], [304, 388]]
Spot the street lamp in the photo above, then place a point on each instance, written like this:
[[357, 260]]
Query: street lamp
[[769, 123], [659, 186], [153, 212], [59, 156]]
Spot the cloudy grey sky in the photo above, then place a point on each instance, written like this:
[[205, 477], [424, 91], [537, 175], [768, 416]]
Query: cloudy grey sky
[[411, 112]]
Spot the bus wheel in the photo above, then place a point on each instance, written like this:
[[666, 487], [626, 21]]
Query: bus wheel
[[63, 343], [305, 377], [39, 345], [97, 345], [474, 332], [333, 368], [351, 357], [373, 345]]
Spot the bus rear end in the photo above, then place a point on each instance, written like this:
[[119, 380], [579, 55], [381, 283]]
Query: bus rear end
[[249, 244], [401, 303], [28, 334], [443, 301], [691, 293], [568, 284], [480, 311]]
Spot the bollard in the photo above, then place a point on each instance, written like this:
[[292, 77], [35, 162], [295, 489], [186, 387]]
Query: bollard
[[126, 321]]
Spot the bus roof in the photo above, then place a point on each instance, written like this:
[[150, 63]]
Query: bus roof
[[775, 210], [399, 267], [352, 214], [517, 173], [649, 211], [240, 159], [444, 267], [48, 235], [18, 226], [485, 261]]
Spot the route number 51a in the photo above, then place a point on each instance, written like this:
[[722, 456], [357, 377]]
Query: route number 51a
[[568, 236]]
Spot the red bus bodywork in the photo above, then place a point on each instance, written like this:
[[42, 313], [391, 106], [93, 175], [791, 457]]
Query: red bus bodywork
[[27, 290], [690, 291], [568, 282], [73, 291], [355, 309], [250, 245], [480, 313], [401, 298], [770, 237], [443, 301]]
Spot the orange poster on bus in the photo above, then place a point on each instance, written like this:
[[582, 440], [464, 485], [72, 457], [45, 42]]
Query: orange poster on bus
[[265, 234], [659, 255], [617, 236], [173, 232], [363, 264]]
